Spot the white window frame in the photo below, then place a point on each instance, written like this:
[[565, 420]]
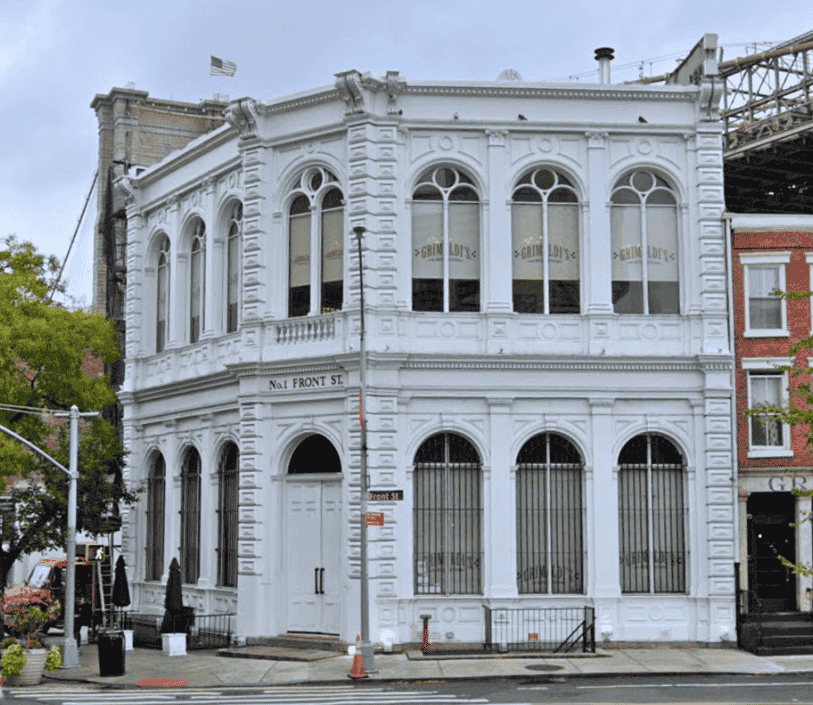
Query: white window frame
[[757, 259], [769, 364]]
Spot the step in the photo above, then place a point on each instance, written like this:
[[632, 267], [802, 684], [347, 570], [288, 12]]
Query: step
[[295, 640]]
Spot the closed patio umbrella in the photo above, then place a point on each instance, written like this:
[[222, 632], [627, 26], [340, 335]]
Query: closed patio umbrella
[[173, 602], [121, 589]]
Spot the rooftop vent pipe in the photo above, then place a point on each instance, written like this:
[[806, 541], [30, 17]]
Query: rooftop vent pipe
[[604, 55]]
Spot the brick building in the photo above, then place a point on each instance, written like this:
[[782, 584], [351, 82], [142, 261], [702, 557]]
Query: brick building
[[771, 252]]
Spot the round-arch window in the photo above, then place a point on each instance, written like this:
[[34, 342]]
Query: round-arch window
[[316, 454]]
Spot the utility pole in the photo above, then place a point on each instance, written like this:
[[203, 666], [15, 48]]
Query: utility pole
[[365, 645]]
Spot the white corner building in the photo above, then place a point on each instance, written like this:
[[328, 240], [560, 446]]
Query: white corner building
[[554, 407]]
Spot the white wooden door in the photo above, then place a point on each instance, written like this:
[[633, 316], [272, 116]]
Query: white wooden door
[[304, 556], [314, 557], [331, 556]]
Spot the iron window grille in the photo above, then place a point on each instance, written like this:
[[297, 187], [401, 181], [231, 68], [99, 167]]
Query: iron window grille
[[155, 518], [550, 517], [190, 517], [448, 514], [652, 518], [228, 475]]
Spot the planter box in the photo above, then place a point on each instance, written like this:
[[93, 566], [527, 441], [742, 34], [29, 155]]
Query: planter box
[[174, 644], [32, 671]]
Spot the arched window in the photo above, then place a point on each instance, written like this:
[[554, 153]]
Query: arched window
[[233, 267], [316, 224], [448, 517], [545, 226], [652, 516], [550, 515], [155, 518], [162, 295], [644, 219], [190, 517], [445, 242], [197, 282], [227, 508]]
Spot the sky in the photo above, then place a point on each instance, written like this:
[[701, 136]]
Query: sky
[[56, 55]]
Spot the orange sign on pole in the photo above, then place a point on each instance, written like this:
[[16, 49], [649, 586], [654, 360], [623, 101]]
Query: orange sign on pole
[[374, 519]]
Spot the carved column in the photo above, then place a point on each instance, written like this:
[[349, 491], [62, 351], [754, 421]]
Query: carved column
[[496, 246], [500, 549], [175, 293], [596, 228], [211, 317]]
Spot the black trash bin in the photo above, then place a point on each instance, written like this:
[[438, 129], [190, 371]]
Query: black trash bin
[[111, 653]]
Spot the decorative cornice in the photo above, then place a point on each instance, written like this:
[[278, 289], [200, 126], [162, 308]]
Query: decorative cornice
[[327, 96], [395, 85], [574, 93], [567, 364], [349, 85]]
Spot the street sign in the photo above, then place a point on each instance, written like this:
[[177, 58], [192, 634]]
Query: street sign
[[374, 519], [386, 495]]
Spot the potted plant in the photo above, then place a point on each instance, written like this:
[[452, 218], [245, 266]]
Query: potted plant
[[24, 656]]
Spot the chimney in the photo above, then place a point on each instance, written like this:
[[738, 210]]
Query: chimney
[[604, 55]]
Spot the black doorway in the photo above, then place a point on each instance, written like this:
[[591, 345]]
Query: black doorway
[[771, 534]]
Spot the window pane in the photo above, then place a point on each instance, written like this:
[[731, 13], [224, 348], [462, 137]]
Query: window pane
[[196, 314], [634, 540], [427, 256], [662, 259], [529, 284], [532, 539], [762, 281], [332, 260], [161, 313], [233, 280], [566, 530], [627, 266], [563, 263], [668, 530], [464, 257], [766, 431], [765, 314], [300, 265]]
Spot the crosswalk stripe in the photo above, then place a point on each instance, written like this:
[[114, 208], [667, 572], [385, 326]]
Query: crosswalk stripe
[[273, 695]]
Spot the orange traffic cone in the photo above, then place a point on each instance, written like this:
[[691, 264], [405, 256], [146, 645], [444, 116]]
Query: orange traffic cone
[[358, 663]]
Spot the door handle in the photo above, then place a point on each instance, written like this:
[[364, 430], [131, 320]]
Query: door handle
[[322, 581], [316, 581]]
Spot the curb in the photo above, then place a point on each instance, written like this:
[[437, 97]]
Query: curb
[[528, 677]]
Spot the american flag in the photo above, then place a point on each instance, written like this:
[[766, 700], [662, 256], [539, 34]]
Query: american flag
[[219, 67]]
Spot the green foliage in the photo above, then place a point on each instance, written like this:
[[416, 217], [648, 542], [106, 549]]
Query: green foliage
[[13, 661], [44, 354], [54, 659]]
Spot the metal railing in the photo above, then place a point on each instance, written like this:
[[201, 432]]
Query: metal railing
[[206, 631], [749, 614], [552, 629]]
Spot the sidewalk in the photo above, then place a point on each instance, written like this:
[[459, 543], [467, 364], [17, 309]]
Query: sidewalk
[[262, 665]]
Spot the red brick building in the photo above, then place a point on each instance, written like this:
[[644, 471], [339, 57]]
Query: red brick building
[[769, 253]]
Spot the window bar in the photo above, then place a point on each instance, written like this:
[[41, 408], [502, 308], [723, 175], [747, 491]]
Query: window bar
[[548, 502], [545, 263], [644, 258], [650, 514], [445, 248]]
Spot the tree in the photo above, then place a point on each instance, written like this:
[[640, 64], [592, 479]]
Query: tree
[[46, 356]]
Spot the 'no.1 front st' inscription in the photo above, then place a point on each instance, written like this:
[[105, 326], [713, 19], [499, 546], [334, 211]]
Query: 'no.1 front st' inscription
[[302, 382]]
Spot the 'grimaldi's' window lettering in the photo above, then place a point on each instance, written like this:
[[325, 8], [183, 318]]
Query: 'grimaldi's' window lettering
[[446, 242], [644, 218], [545, 219]]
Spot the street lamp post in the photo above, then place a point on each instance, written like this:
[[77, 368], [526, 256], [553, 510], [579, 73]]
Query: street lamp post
[[70, 651], [365, 645]]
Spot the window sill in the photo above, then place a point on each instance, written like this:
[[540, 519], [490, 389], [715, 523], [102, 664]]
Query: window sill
[[770, 453], [756, 333]]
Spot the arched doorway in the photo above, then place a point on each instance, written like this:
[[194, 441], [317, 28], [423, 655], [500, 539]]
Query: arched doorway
[[314, 529]]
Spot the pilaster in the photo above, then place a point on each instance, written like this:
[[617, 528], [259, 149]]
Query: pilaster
[[496, 245], [501, 549], [596, 228]]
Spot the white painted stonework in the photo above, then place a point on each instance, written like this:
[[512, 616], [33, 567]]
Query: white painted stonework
[[495, 377]]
